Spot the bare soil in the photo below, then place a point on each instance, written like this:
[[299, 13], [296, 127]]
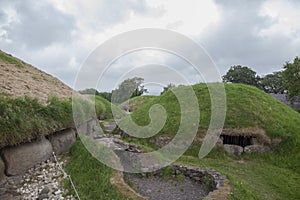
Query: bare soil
[[25, 80]]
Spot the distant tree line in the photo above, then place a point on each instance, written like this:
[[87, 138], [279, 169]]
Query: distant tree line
[[285, 81], [129, 88]]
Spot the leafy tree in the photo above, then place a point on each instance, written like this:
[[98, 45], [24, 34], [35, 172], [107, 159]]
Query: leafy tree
[[168, 87], [291, 77], [239, 74], [105, 95], [92, 91], [272, 83], [89, 91], [129, 88]]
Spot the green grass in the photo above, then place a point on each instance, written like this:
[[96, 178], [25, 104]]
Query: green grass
[[91, 178], [252, 178], [10, 59], [136, 102], [25, 119], [247, 106]]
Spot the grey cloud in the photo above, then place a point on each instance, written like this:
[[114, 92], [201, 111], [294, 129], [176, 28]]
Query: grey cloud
[[236, 40], [39, 25], [108, 13]]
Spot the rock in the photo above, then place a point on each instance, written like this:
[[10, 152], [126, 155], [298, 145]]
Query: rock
[[46, 190], [21, 158], [62, 141], [233, 149], [219, 142], [256, 148], [2, 169], [102, 117], [43, 196]]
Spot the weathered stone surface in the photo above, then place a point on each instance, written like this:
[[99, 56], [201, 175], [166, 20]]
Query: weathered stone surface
[[20, 158], [2, 169], [256, 148], [234, 149], [62, 141]]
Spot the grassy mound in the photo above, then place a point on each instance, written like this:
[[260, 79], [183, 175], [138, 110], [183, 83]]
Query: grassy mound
[[247, 106], [271, 175]]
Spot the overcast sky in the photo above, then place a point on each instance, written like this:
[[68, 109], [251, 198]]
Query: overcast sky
[[57, 36]]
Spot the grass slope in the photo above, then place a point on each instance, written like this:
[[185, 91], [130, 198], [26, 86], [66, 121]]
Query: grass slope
[[25, 119], [247, 106]]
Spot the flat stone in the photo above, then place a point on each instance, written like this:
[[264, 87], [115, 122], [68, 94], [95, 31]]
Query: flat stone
[[256, 148], [62, 141], [233, 149], [21, 158]]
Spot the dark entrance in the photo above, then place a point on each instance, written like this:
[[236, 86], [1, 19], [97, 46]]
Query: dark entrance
[[237, 140]]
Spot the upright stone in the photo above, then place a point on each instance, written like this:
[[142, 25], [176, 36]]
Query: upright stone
[[62, 141], [21, 158]]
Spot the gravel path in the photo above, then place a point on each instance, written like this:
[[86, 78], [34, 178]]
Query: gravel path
[[40, 182], [157, 188]]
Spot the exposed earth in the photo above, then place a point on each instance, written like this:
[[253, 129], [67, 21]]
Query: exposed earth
[[18, 79]]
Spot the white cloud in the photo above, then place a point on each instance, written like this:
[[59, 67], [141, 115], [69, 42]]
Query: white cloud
[[285, 16]]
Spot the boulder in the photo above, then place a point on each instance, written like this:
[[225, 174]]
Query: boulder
[[20, 158], [102, 117], [2, 169], [233, 149], [62, 141], [256, 148]]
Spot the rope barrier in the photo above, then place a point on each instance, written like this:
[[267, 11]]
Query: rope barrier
[[66, 175]]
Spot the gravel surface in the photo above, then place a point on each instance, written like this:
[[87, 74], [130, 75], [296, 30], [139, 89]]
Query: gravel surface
[[156, 188], [44, 181]]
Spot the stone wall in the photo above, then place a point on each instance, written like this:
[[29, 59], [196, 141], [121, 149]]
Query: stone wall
[[216, 183], [18, 159]]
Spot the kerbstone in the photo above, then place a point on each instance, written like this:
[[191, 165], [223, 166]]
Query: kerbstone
[[21, 158], [62, 141]]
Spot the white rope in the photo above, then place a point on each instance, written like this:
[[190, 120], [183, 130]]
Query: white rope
[[66, 175]]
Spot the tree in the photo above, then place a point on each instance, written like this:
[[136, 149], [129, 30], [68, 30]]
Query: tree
[[272, 83], [105, 95], [168, 87], [127, 89], [291, 78], [239, 74], [89, 91]]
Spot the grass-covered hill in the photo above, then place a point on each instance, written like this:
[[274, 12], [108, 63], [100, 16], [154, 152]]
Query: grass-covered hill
[[247, 107], [271, 175]]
